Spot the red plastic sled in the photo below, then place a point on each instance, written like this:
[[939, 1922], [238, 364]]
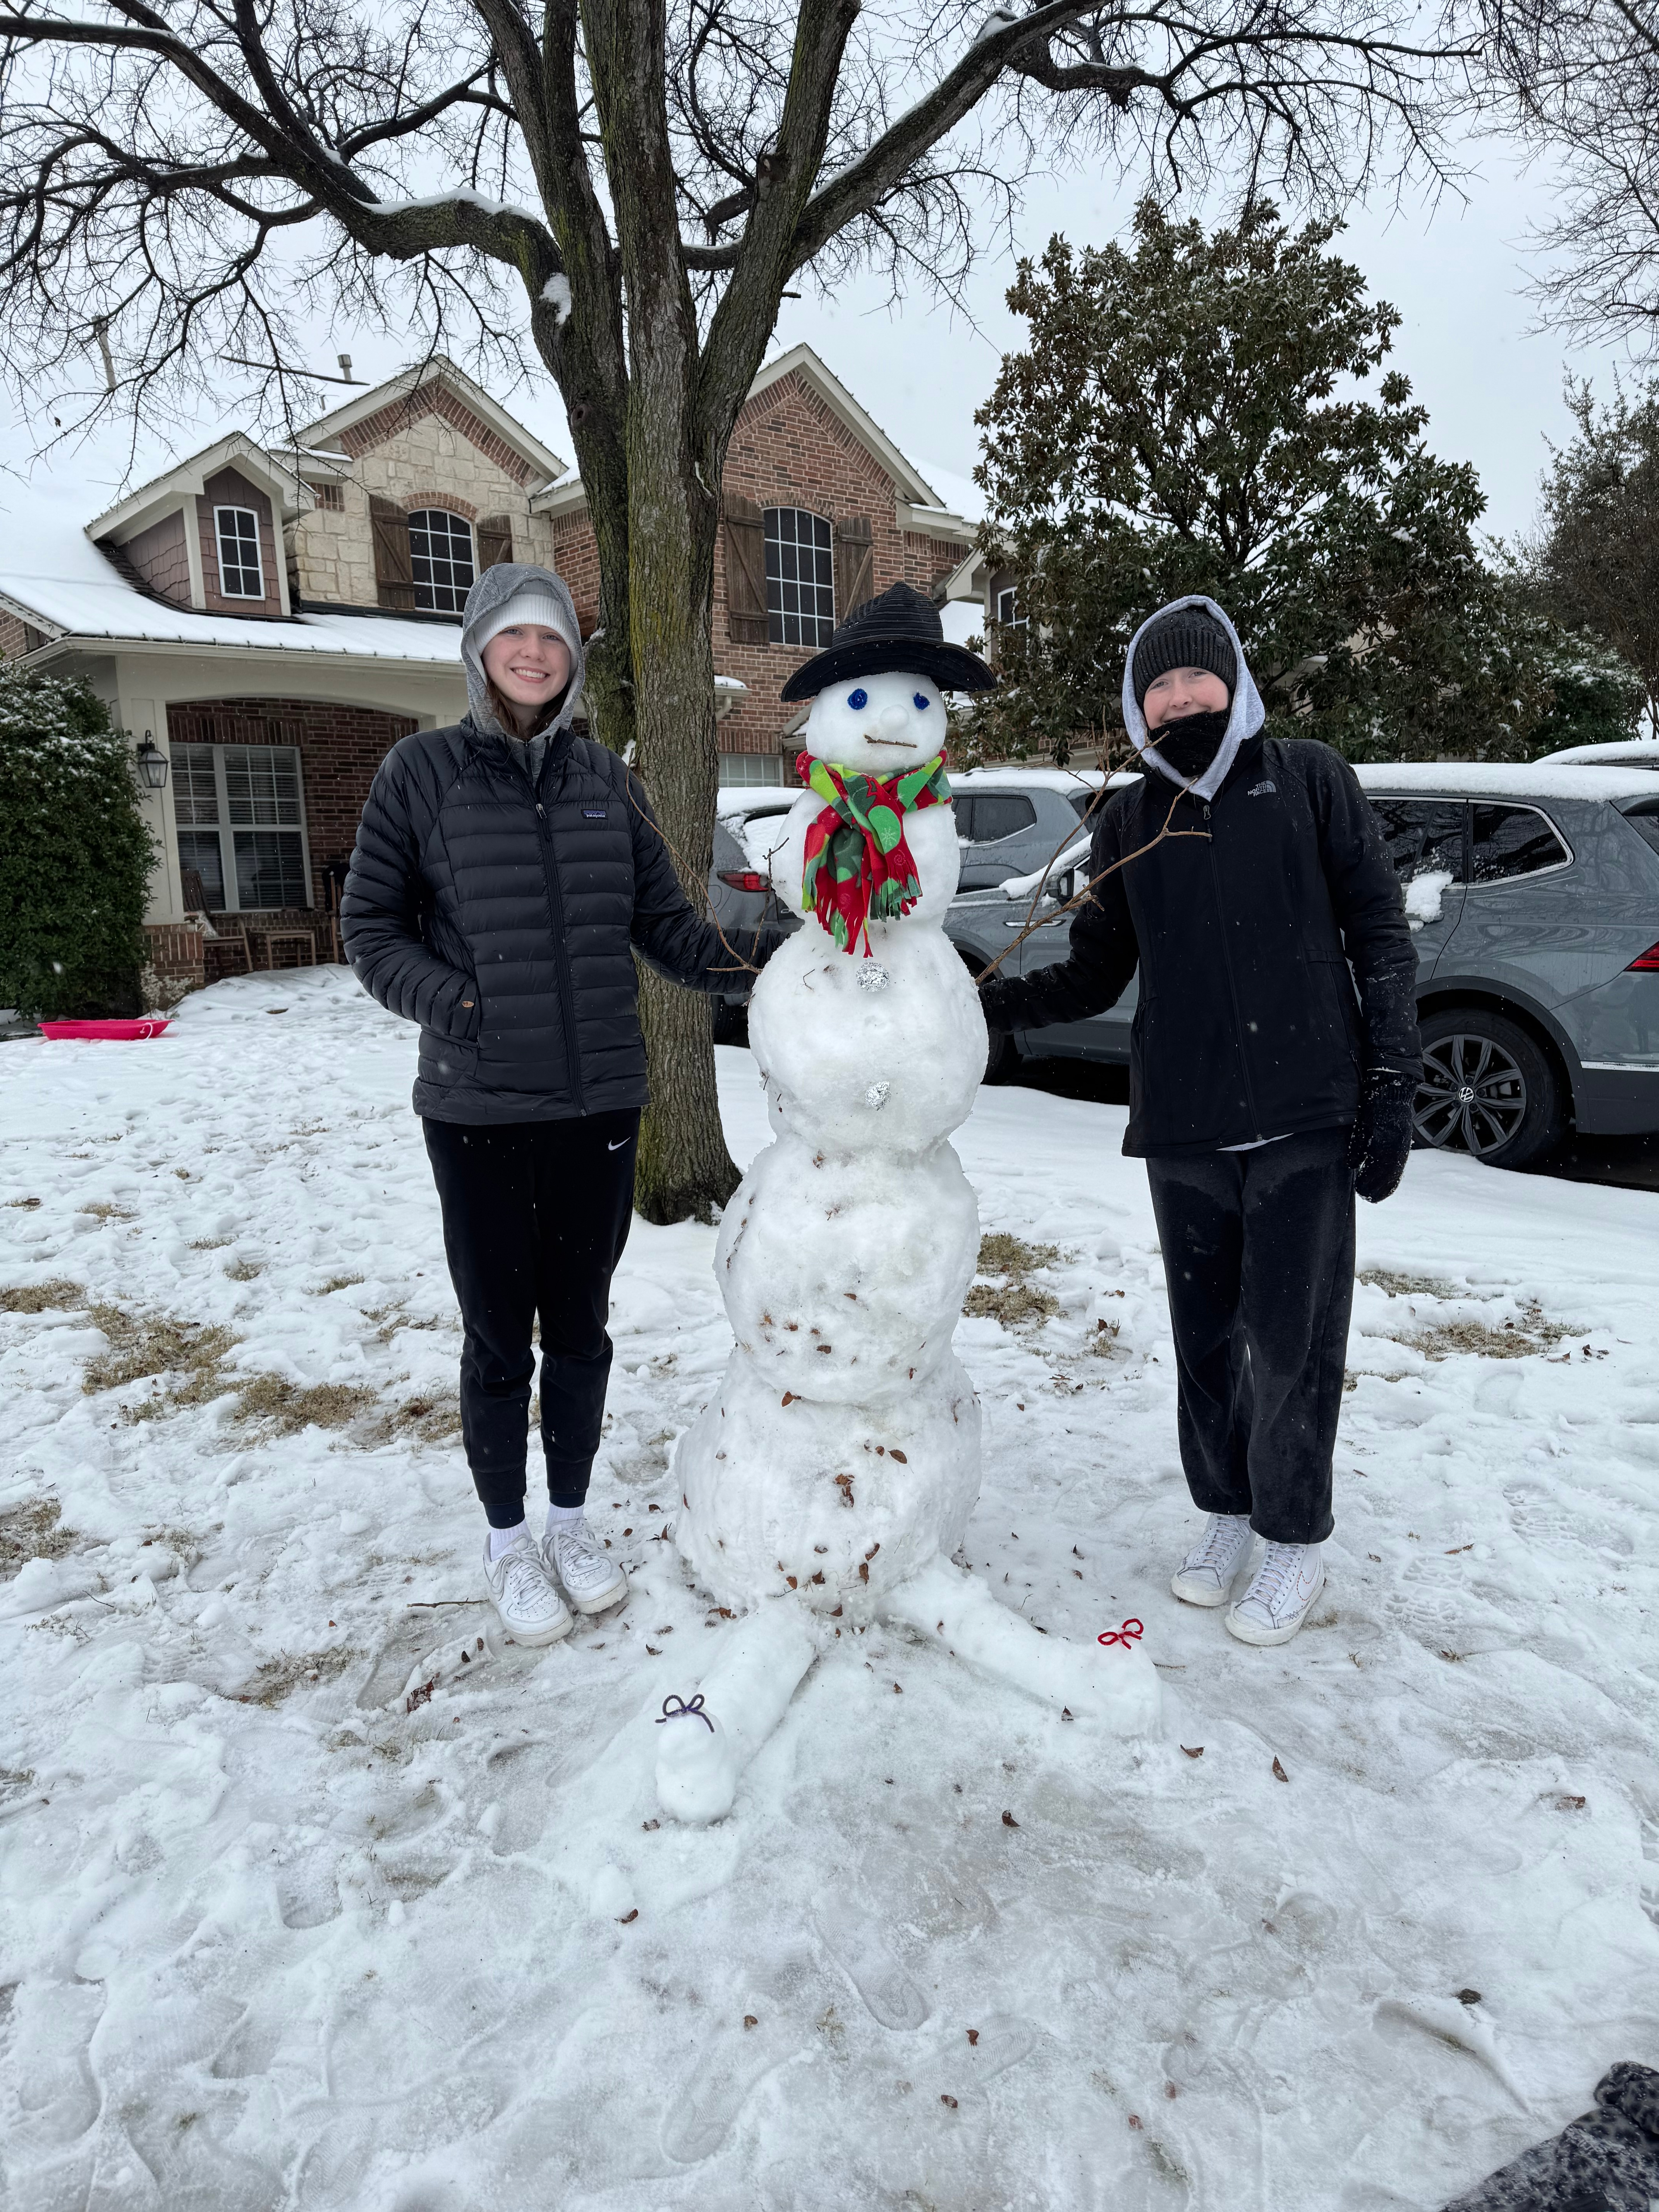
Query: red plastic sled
[[150, 1026]]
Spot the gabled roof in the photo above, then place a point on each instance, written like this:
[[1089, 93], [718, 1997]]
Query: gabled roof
[[801, 361], [187, 479], [328, 430], [920, 506]]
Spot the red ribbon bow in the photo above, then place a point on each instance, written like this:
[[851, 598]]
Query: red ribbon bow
[[1130, 1632]]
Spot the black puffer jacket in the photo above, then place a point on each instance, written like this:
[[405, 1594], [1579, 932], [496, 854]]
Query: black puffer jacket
[[1247, 1025], [503, 920], [1606, 2160]]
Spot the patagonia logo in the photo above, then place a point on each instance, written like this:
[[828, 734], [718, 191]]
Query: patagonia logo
[[598, 813], [1259, 790]]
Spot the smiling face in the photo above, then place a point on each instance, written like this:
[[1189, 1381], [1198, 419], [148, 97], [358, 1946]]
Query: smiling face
[[1182, 692], [526, 663], [878, 725]]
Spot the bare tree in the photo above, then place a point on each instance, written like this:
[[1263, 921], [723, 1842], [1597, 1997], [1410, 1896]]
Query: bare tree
[[634, 184], [1582, 83]]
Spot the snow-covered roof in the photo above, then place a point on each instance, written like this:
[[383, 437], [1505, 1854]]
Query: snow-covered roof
[[1507, 780], [52, 577], [1629, 752]]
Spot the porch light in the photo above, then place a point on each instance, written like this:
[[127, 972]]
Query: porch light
[[152, 763]]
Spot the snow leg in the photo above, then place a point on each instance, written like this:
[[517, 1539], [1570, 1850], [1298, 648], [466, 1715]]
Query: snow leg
[[701, 1755], [1115, 1687]]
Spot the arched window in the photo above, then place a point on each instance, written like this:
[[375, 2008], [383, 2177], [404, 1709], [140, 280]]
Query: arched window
[[801, 577], [441, 555]]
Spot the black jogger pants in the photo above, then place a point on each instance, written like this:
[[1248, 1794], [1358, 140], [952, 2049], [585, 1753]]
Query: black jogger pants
[[535, 1215], [1258, 1254]]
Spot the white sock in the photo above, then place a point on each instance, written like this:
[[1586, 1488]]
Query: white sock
[[563, 1516], [503, 1540]]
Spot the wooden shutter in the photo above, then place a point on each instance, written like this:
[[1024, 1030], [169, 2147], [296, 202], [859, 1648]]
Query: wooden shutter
[[745, 571], [495, 540], [394, 578], [855, 564]]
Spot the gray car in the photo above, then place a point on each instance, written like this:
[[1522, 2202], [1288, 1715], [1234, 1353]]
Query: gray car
[[1533, 897], [741, 898]]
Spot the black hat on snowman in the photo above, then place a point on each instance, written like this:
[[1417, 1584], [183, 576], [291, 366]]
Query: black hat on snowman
[[899, 630]]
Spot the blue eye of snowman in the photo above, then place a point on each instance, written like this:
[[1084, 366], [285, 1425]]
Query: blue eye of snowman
[[859, 698], [922, 702]]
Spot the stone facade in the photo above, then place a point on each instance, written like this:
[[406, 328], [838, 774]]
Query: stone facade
[[418, 459]]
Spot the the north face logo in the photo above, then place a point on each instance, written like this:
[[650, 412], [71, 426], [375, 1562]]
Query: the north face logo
[[1257, 790]]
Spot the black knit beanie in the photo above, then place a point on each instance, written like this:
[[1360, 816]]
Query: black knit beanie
[[1187, 637]]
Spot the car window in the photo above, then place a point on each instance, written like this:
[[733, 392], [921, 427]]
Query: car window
[[1082, 801], [1643, 819], [1424, 836], [729, 855], [998, 814], [1513, 840]]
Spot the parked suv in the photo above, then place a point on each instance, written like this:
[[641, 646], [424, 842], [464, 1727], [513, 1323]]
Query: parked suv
[[1011, 820], [1533, 892], [740, 893]]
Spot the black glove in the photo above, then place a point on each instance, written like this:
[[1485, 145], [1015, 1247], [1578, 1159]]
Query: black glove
[[1380, 1142]]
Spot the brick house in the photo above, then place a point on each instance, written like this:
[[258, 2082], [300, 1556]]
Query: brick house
[[271, 619]]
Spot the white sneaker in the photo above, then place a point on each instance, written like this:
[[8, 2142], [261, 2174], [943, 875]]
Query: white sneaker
[[1285, 1585], [577, 1557], [1205, 1577], [531, 1608]]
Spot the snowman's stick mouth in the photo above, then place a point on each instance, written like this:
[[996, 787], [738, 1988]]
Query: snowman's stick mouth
[[908, 744]]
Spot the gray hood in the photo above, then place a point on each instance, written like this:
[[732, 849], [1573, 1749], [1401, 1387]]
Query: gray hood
[[1247, 717], [492, 590]]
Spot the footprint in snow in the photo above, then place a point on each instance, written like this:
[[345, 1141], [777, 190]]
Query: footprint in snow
[[706, 2107], [852, 1940]]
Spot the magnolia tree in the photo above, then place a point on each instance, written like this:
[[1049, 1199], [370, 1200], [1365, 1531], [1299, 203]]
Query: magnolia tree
[[620, 190]]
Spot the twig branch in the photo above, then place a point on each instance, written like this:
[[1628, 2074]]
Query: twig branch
[[1014, 943]]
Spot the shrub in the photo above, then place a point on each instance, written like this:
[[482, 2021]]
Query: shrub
[[75, 856]]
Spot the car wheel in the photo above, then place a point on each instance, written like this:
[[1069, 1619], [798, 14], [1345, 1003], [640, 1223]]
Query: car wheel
[[730, 1021], [1488, 1088]]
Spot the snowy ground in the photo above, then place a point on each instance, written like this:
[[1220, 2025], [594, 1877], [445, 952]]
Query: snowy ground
[[271, 1939]]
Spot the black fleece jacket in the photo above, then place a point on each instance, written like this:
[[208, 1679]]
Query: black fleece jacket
[[504, 918], [1244, 928]]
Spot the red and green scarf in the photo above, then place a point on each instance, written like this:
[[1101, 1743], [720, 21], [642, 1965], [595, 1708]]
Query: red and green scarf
[[858, 867]]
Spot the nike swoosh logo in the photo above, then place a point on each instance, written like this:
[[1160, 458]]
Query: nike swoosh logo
[[618, 1146]]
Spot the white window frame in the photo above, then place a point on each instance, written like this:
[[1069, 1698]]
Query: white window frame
[[1008, 616], [750, 771], [780, 617], [430, 606], [240, 546], [226, 830]]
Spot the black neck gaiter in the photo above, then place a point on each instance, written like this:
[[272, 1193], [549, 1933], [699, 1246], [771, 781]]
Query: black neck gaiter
[[1190, 744]]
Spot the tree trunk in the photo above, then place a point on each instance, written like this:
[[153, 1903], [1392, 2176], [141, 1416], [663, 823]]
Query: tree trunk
[[673, 511], [683, 1167]]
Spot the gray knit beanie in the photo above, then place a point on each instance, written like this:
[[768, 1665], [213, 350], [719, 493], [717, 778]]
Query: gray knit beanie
[[1187, 637], [528, 604]]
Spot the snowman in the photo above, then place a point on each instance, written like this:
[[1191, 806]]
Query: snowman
[[829, 1482]]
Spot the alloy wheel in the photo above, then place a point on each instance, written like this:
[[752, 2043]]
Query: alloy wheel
[[1473, 1097]]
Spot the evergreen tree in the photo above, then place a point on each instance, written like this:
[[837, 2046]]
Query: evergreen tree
[[1213, 413], [75, 857]]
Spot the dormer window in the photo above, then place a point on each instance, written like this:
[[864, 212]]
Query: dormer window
[[242, 574], [441, 555]]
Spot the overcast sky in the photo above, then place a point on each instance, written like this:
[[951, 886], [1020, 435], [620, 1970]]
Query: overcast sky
[[1492, 386]]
